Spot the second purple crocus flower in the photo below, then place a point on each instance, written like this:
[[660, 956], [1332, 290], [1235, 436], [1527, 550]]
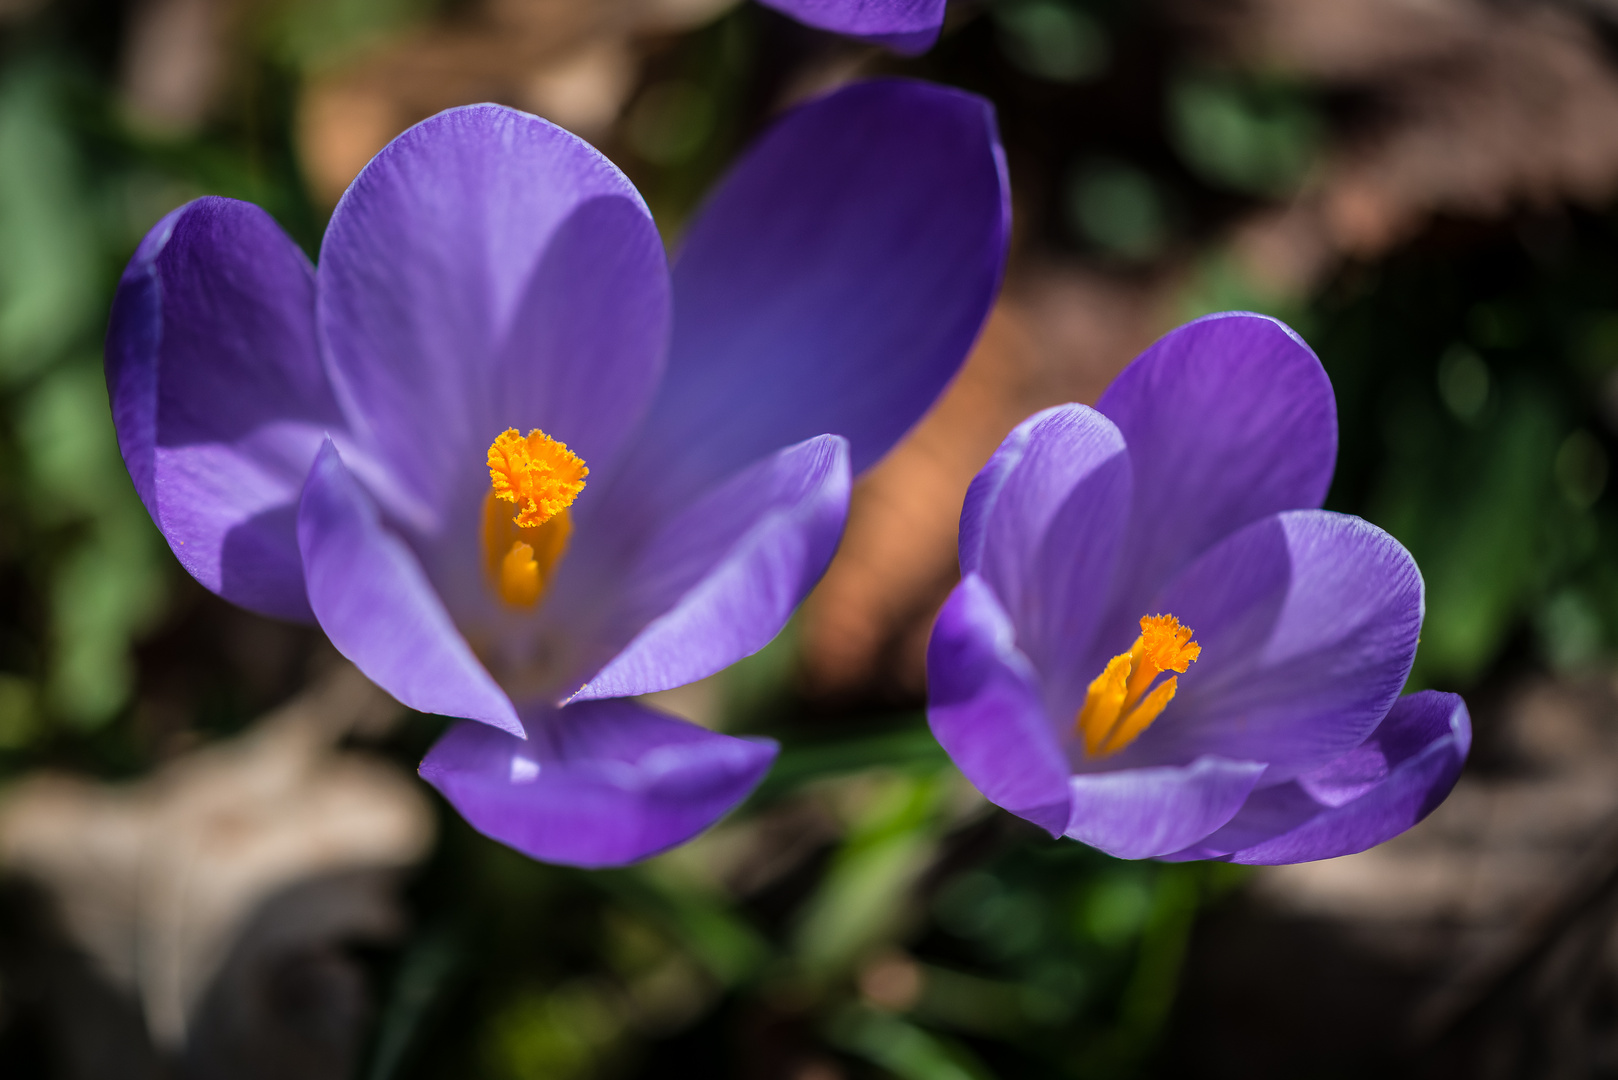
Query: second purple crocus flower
[[1162, 648], [516, 469], [905, 26]]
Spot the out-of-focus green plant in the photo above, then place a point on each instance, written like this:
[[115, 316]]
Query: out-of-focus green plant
[[921, 934], [892, 835], [1118, 208], [307, 34], [102, 567], [1254, 136], [1057, 40], [49, 276], [1477, 428]]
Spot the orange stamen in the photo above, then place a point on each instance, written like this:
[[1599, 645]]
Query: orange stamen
[[1121, 703], [542, 477]]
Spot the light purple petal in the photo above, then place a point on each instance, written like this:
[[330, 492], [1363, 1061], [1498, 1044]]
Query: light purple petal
[[722, 578], [1418, 750], [1042, 524], [1014, 497], [1141, 813], [983, 704], [597, 783], [833, 283], [1308, 624], [219, 396], [1228, 419], [905, 26], [487, 270], [378, 608]]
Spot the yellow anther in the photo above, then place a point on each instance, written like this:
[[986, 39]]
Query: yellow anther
[[518, 562], [1103, 702], [539, 474], [542, 477], [1120, 703], [1141, 716], [519, 576]]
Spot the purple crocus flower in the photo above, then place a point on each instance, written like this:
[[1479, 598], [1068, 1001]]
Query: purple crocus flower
[[516, 468], [905, 26], [1161, 647]]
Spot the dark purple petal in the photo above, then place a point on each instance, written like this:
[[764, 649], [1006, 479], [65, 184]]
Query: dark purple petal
[[1042, 524], [1418, 751], [1141, 813], [376, 605], [219, 396], [833, 283], [1228, 419], [599, 783], [1308, 623], [488, 270], [905, 26], [983, 704], [722, 578]]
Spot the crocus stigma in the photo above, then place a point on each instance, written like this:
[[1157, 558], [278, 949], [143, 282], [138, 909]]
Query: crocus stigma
[[1162, 647], [517, 468]]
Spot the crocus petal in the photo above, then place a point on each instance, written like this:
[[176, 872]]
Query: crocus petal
[[1042, 524], [833, 283], [1308, 623], [488, 270], [376, 605], [905, 26], [597, 783], [1228, 419], [1420, 749], [219, 397], [1141, 813], [722, 578], [983, 704]]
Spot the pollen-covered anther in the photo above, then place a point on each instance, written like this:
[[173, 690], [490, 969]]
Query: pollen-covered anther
[[1121, 702], [520, 582], [538, 473]]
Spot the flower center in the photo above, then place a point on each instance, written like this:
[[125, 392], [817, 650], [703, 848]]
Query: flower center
[[541, 477], [1121, 702]]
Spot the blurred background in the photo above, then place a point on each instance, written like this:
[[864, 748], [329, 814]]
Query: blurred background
[[215, 860]]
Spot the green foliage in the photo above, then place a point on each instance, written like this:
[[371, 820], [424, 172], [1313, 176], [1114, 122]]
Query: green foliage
[[1476, 428], [103, 566], [906, 1050], [1052, 39], [315, 33], [691, 114], [925, 938], [891, 839], [671, 122], [1118, 208], [1254, 136], [49, 295]]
